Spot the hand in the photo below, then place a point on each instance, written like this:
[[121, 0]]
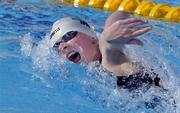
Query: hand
[[124, 31]]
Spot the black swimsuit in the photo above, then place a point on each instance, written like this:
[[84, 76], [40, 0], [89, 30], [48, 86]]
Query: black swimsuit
[[137, 80]]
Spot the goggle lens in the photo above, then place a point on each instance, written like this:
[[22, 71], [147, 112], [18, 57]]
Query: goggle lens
[[68, 36]]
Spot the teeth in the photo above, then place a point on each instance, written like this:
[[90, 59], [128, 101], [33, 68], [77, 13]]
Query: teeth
[[74, 56], [71, 53]]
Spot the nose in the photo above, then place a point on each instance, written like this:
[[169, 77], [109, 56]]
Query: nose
[[63, 48]]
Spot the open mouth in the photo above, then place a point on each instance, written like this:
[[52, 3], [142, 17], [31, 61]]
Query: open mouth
[[74, 57]]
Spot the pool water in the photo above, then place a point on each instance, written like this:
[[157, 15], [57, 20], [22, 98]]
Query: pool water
[[34, 79]]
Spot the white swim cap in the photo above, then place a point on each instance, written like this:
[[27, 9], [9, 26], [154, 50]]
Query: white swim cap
[[64, 25]]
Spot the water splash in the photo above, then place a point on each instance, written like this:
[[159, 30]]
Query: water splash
[[26, 45], [98, 85]]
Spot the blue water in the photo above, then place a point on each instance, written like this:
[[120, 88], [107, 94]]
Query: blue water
[[34, 79]]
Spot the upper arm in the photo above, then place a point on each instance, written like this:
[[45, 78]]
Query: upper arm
[[115, 17]]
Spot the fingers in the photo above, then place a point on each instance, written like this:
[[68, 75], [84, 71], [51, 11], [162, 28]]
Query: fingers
[[134, 27], [132, 20], [126, 30], [135, 24], [140, 31], [134, 32]]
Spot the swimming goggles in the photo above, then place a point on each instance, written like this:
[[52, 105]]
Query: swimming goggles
[[65, 38]]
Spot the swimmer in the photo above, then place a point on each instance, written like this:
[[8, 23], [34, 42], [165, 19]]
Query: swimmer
[[76, 41]]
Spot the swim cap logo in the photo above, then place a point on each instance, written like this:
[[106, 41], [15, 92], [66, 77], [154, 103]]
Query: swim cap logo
[[54, 32], [82, 22]]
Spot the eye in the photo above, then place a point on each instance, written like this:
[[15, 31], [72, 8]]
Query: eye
[[57, 44], [70, 35]]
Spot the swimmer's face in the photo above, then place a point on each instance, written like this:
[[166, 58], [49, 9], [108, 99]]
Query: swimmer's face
[[80, 49]]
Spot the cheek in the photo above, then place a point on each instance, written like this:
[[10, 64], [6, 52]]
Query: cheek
[[89, 50], [87, 45]]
